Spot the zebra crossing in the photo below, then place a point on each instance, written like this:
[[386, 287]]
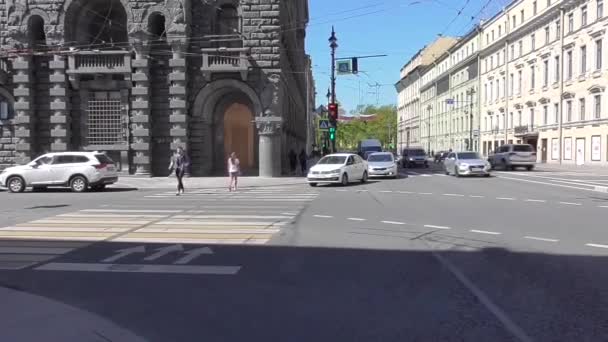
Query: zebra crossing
[[249, 217]]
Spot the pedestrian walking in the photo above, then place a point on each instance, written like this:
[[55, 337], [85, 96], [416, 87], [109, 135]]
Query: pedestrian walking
[[234, 169], [303, 161], [180, 163], [293, 160]]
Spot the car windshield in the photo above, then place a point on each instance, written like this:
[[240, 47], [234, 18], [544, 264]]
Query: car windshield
[[415, 152], [104, 159], [468, 155], [380, 158], [332, 160], [522, 148]]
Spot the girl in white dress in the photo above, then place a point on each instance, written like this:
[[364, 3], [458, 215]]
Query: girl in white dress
[[234, 169]]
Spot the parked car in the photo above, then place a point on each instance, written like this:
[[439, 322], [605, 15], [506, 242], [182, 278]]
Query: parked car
[[466, 164], [382, 164], [414, 156], [511, 156], [341, 168], [77, 170]]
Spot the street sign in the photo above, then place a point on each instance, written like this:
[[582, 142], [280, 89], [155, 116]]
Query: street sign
[[344, 67], [449, 101], [324, 125]]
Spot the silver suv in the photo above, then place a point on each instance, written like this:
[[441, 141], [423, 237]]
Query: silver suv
[[78, 170], [511, 156]]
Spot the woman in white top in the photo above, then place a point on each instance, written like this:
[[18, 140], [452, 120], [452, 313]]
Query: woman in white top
[[234, 168]]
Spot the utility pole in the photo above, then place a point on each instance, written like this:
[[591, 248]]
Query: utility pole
[[471, 93], [333, 44]]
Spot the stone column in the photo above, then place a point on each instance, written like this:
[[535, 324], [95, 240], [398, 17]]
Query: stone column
[[60, 119], [24, 120], [140, 111], [178, 96], [269, 129]]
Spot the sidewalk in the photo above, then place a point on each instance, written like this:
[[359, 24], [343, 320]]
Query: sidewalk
[[27, 317], [572, 168], [206, 182]]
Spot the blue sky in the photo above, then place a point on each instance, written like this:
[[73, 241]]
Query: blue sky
[[397, 28]]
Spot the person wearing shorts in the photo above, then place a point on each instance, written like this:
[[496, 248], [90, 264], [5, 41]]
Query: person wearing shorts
[[233, 171]]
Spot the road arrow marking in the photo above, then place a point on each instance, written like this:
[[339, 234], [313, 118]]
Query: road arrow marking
[[193, 254], [164, 251], [125, 252]]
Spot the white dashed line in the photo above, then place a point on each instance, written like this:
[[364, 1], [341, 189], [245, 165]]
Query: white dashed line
[[386, 191], [425, 193], [322, 216], [405, 192], [393, 222], [603, 206], [506, 198], [441, 174], [484, 232], [535, 200], [289, 213], [362, 190], [569, 203], [356, 219], [436, 227], [454, 195], [596, 245], [540, 239], [341, 190], [476, 196]]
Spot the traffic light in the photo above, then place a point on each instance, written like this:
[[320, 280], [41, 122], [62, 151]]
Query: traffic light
[[333, 114], [355, 65], [332, 134]]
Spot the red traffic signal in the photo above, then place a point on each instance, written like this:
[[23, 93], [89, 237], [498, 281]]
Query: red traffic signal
[[333, 111]]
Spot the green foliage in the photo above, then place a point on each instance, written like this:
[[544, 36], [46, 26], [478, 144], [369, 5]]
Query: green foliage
[[349, 134]]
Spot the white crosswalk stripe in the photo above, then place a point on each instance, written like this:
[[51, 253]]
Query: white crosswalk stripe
[[244, 217]]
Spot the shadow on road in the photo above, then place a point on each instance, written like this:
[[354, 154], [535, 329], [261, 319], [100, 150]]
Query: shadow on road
[[48, 206], [330, 294]]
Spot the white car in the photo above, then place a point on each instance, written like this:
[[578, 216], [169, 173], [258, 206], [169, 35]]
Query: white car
[[466, 164], [341, 168], [382, 164], [78, 170]]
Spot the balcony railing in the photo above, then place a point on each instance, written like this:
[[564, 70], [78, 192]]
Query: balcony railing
[[225, 60], [525, 130], [99, 62]]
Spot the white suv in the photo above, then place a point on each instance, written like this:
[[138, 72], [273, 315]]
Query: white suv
[[78, 170]]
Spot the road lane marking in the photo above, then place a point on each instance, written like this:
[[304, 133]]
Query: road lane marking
[[453, 195], [393, 222], [425, 193], [356, 219], [35, 250], [128, 211], [506, 198], [341, 190], [540, 239], [484, 232], [405, 192], [502, 316], [596, 245], [135, 268], [289, 214], [441, 174], [603, 206], [569, 203], [436, 227], [476, 196], [322, 216], [545, 183], [535, 200], [386, 191]]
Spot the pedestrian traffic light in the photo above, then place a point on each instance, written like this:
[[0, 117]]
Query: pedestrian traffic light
[[333, 113], [332, 133]]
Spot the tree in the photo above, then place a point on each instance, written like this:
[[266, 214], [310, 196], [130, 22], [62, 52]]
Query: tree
[[383, 127]]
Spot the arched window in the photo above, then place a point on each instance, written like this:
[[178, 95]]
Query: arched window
[[228, 20], [36, 35], [6, 109]]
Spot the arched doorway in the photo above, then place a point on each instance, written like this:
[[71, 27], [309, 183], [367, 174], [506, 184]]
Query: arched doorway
[[239, 134]]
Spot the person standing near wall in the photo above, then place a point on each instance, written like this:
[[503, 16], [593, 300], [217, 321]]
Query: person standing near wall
[[179, 162]]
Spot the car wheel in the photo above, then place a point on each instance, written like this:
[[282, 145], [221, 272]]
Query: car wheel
[[487, 175], [99, 187], [530, 167], [345, 179], [364, 177], [78, 184], [15, 184], [456, 172], [312, 184], [426, 165]]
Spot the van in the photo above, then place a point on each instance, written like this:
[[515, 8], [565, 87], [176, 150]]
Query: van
[[368, 146], [414, 156]]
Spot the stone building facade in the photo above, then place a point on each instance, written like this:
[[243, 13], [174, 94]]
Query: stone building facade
[[139, 78]]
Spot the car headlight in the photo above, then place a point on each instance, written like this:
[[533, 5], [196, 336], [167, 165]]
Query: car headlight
[[335, 171]]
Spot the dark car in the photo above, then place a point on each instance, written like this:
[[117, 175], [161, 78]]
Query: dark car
[[414, 157]]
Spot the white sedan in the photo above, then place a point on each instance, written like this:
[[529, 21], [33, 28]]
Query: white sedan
[[341, 168]]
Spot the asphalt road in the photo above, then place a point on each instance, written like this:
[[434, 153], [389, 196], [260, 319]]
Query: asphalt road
[[426, 257]]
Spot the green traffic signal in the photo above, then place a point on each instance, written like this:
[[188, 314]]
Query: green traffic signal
[[332, 133]]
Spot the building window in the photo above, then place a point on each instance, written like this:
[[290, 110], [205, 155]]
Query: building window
[[511, 84], [492, 35], [598, 54], [569, 65], [532, 117], [557, 67], [570, 22], [569, 111], [600, 9], [547, 37], [534, 8], [497, 89], [514, 21], [583, 59], [491, 87], [581, 107], [556, 113], [512, 51], [487, 38], [499, 31], [228, 20], [521, 47], [584, 16], [546, 73], [486, 122], [521, 15], [519, 118], [545, 114], [533, 41], [597, 110], [491, 62], [519, 80], [511, 120], [532, 78], [504, 86], [6, 110], [485, 91], [558, 29], [548, 3]]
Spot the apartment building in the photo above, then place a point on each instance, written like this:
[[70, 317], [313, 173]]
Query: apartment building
[[543, 75]]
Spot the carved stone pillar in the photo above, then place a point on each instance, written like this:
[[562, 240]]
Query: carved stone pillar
[[24, 119], [269, 129], [178, 96], [60, 119], [140, 111]]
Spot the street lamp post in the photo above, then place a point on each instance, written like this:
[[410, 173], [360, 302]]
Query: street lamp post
[[333, 44], [471, 93]]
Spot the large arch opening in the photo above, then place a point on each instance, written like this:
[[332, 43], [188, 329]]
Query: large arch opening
[[98, 23], [35, 32], [239, 134]]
